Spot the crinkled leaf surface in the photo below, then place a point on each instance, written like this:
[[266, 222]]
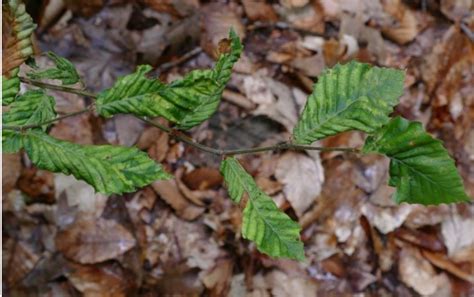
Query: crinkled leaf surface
[[64, 71], [420, 167], [10, 87], [17, 27], [31, 108], [354, 96], [272, 230], [187, 102], [109, 169]]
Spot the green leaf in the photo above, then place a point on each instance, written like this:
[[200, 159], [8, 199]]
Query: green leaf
[[420, 167], [220, 74], [354, 96], [63, 71], [10, 88], [109, 169], [31, 108], [272, 230], [187, 102]]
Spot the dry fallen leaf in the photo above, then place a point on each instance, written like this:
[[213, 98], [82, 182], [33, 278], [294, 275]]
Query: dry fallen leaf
[[453, 46], [386, 219], [37, 184], [282, 284], [458, 234], [217, 19], [179, 8], [11, 169], [282, 107], [218, 279], [417, 273], [457, 9], [79, 194], [304, 16], [302, 178], [107, 280], [406, 27], [202, 178], [258, 10], [169, 192], [92, 240], [441, 261], [21, 260]]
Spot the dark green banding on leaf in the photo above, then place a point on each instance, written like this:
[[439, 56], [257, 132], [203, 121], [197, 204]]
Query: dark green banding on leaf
[[31, 108], [420, 167], [109, 169], [64, 71], [354, 96], [274, 232], [186, 102]]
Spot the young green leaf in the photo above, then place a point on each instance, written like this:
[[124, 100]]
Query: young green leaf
[[17, 27], [109, 169], [187, 102], [63, 71], [221, 75], [420, 167], [272, 230], [31, 108], [354, 96], [10, 88]]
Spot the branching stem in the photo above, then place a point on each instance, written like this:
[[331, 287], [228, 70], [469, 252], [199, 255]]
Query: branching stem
[[176, 134], [64, 89]]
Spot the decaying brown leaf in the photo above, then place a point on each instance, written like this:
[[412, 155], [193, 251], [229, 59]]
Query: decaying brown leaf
[[258, 10], [453, 46], [179, 8], [217, 280], [417, 272], [441, 261], [20, 261], [217, 19], [457, 9], [92, 240], [302, 178], [303, 15], [202, 178], [458, 234], [405, 25], [108, 280], [87, 8], [11, 169], [37, 184], [17, 27], [169, 191]]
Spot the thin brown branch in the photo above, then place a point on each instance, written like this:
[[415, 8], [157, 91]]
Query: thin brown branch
[[56, 87], [281, 146], [178, 135]]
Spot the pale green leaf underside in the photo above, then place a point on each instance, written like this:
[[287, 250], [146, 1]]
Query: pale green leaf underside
[[64, 71], [272, 230], [109, 169], [31, 108], [420, 167], [354, 96], [187, 102]]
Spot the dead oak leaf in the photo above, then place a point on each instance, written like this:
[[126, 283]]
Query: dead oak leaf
[[89, 241]]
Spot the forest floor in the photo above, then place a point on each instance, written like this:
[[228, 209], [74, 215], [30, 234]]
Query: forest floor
[[181, 237]]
